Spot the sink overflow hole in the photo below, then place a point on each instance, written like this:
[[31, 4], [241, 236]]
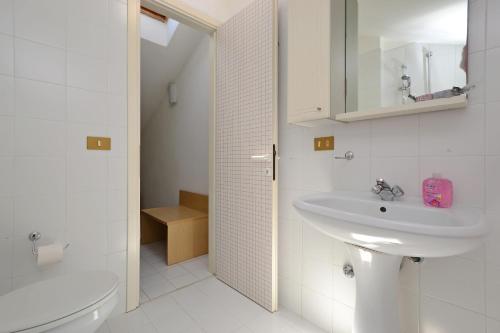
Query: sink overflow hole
[[383, 209]]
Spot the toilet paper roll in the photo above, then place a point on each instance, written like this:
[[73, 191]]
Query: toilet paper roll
[[49, 254]]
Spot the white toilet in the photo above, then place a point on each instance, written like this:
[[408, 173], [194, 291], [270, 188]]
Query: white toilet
[[76, 303]]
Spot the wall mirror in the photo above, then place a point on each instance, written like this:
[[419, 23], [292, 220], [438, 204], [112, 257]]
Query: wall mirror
[[404, 57]]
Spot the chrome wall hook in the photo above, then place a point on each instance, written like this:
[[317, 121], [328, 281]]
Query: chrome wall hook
[[34, 237], [348, 270], [349, 155]]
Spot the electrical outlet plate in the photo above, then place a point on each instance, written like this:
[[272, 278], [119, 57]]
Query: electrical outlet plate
[[324, 143], [98, 143]]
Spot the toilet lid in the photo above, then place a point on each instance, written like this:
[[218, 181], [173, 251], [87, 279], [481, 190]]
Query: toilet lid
[[51, 300]]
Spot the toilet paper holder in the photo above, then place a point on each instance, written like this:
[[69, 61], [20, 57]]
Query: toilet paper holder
[[34, 237]]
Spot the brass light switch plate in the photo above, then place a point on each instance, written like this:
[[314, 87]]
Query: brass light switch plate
[[98, 143], [324, 143]]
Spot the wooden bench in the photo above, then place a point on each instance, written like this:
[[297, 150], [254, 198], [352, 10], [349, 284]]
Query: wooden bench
[[184, 227]]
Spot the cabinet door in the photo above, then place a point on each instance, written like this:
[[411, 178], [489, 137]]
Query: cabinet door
[[308, 60]]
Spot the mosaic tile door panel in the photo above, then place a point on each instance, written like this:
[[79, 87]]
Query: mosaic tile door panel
[[245, 132]]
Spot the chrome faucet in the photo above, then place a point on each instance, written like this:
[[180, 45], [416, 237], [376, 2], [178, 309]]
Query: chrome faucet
[[386, 192]]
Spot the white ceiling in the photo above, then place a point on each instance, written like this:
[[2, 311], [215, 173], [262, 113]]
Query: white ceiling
[[432, 21], [161, 65]]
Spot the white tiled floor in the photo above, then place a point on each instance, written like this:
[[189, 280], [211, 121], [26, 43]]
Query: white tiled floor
[[205, 306], [158, 279], [186, 298]]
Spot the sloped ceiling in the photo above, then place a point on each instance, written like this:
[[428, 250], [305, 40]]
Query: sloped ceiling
[[161, 65]]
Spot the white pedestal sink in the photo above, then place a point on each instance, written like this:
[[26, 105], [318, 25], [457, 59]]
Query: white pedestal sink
[[379, 233]]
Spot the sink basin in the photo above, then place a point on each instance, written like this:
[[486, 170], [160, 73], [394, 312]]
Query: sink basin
[[379, 234], [404, 228]]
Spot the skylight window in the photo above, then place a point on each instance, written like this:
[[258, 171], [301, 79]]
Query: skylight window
[[154, 15], [156, 27]]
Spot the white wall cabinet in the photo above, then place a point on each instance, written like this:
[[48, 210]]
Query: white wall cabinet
[[309, 47]]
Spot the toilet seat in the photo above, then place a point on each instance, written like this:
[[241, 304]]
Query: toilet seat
[[48, 303]]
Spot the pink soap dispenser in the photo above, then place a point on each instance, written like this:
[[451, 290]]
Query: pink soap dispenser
[[437, 191]]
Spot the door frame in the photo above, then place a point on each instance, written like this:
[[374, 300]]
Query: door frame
[[192, 17]]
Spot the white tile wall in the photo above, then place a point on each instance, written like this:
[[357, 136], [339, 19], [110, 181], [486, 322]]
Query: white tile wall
[[87, 72], [438, 316], [6, 136], [492, 326], [6, 54], [6, 95], [54, 92], [39, 62], [449, 295], [6, 16], [40, 100], [41, 21]]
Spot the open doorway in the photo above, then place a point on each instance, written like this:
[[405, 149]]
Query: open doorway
[[174, 192], [242, 140]]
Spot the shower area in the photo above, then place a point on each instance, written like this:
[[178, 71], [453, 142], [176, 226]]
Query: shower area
[[390, 73], [419, 69]]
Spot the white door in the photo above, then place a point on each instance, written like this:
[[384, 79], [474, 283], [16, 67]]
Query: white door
[[246, 137]]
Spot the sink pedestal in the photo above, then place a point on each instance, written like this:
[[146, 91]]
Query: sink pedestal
[[377, 285]]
